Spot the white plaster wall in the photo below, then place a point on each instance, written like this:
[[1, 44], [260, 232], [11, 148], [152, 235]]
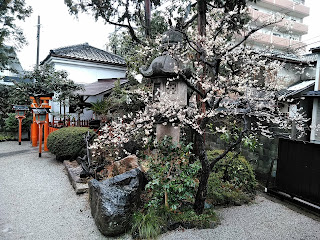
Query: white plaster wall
[[293, 73], [82, 72], [86, 115], [86, 72]]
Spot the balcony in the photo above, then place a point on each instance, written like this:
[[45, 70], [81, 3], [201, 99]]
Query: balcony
[[277, 42], [286, 7], [297, 28]]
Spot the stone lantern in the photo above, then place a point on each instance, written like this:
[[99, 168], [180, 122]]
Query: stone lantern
[[161, 72], [20, 114]]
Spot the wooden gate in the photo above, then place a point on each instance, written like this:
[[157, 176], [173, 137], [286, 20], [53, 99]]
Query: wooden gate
[[298, 170]]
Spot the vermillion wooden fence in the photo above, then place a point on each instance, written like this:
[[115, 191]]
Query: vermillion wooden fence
[[68, 123], [60, 124]]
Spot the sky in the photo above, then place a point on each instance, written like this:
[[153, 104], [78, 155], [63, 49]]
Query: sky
[[59, 29], [312, 39]]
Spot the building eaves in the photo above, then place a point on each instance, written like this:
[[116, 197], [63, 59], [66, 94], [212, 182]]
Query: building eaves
[[315, 50], [101, 86], [292, 58], [295, 89], [313, 94], [85, 52]]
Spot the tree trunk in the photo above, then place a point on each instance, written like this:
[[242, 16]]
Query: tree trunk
[[205, 172], [202, 9], [148, 18]]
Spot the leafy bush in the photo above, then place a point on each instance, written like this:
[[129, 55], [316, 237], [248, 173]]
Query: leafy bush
[[172, 178], [147, 226], [232, 180], [153, 222], [6, 137], [12, 124], [189, 219], [65, 142]]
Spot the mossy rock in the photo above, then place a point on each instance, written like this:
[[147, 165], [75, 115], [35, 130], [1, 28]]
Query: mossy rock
[[65, 142]]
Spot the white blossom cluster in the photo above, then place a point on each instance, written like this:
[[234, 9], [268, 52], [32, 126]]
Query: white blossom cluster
[[234, 80]]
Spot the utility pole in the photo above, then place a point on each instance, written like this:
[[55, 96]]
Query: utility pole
[[38, 41]]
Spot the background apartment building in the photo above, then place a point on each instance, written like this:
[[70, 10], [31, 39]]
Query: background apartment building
[[285, 35]]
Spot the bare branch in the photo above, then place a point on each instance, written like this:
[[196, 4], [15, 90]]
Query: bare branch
[[252, 32], [233, 145], [194, 17]]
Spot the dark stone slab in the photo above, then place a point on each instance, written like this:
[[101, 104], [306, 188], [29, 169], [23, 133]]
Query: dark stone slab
[[113, 200]]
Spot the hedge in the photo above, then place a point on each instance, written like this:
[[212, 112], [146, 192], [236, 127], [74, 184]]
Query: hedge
[[65, 142]]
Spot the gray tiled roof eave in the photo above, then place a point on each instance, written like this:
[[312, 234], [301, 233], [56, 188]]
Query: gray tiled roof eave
[[86, 60], [85, 52]]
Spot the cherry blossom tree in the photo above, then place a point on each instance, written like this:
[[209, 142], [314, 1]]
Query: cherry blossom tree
[[233, 88]]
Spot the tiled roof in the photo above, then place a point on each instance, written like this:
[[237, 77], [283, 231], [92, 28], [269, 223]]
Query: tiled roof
[[101, 86], [296, 89], [315, 50], [86, 52], [307, 58], [312, 94]]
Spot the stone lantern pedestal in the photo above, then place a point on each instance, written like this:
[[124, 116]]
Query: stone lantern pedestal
[[168, 130], [161, 72]]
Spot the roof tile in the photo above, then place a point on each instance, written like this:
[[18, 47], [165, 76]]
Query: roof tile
[[87, 53]]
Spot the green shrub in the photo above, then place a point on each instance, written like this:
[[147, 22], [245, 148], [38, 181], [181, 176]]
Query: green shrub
[[152, 222], [232, 180], [172, 178], [12, 123], [6, 137], [189, 219], [147, 226], [65, 142]]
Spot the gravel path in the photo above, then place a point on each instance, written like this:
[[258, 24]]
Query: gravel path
[[38, 202], [262, 220]]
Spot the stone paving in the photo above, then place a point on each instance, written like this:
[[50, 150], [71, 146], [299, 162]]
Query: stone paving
[[37, 201]]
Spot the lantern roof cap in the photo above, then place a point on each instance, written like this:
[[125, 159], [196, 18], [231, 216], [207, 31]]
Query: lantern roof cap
[[39, 110], [161, 66], [166, 65], [21, 107]]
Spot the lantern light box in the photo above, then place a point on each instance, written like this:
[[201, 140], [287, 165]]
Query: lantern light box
[[20, 110], [40, 114]]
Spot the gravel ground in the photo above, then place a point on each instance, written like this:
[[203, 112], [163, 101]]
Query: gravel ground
[[38, 202]]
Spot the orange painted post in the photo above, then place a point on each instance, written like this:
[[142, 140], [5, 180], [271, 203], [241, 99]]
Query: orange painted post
[[34, 125], [40, 138], [34, 132], [20, 129], [46, 133]]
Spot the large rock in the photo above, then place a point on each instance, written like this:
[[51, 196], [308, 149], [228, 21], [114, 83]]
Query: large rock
[[124, 165], [112, 201]]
